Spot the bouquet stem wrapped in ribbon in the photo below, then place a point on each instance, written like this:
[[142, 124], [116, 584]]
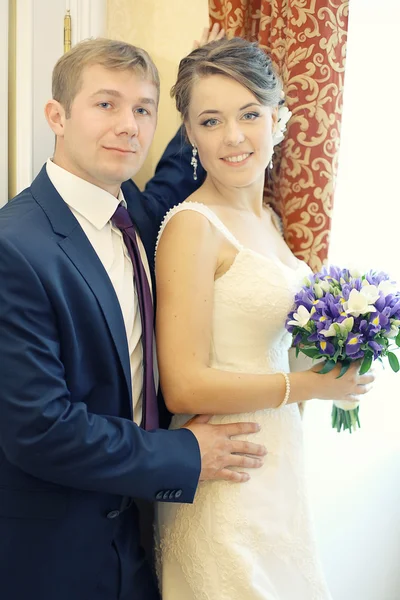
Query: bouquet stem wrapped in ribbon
[[341, 316]]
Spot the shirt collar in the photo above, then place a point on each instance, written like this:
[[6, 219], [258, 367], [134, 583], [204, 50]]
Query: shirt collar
[[93, 203]]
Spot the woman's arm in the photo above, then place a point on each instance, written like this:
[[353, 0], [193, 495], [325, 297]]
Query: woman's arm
[[187, 260]]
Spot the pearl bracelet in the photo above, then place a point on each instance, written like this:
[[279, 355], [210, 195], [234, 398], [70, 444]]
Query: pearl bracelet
[[287, 392]]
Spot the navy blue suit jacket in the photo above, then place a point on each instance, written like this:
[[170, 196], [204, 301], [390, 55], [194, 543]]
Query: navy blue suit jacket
[[70, 455]]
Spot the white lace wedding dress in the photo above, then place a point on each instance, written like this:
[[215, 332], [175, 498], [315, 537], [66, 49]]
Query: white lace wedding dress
[[251, 541]]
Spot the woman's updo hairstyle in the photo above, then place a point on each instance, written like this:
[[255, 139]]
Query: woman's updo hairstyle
[[237, 59]]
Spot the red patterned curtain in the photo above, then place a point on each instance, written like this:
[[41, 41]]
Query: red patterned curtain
[[307, 41]]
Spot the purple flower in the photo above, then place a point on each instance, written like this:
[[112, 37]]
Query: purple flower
[[378, 321], [396, 308], [353, 343], [357, 355], [326, 347], [374, 278], [376, 348], [381, 302], [297, 338], [314, 337]]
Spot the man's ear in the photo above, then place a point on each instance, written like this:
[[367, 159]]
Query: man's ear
[[55, 116]]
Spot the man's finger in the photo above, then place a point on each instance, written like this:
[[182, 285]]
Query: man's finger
[[198, 419], [234, 476], [245, 462], [232, 429], [248, 448]]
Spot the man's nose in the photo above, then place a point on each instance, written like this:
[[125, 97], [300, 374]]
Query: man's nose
[[127, 124]]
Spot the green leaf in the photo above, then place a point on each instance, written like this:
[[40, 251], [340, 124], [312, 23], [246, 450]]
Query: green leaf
[[311, 352], [398, 339], [329, 365], [393, 361], [334, 416], [343, 370], [366, 364]]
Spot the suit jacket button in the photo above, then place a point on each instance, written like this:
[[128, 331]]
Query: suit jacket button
[[166, 495], [159, 496], [113, 514], [178, 494]]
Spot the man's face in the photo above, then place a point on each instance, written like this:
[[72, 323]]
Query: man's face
[[111, 126]]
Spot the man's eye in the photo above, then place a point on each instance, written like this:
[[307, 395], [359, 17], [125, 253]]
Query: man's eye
[[142, 111], [104, 104]]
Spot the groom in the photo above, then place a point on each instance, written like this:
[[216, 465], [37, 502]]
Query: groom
[[78, 416]]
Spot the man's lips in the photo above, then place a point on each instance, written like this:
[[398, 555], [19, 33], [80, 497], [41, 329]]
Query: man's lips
[[121, 150]]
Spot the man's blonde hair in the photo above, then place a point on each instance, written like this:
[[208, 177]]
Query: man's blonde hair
[[110, 54]]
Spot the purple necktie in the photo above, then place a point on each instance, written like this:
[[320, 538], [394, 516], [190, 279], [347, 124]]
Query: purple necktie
[[122, 220]]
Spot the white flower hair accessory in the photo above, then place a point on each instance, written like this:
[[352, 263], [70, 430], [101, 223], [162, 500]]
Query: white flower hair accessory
[[284, 115]]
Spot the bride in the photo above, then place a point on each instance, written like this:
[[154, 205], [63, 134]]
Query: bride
[[226, 281]]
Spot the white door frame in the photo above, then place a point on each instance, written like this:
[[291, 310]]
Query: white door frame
[[88, 19], [4, 103]]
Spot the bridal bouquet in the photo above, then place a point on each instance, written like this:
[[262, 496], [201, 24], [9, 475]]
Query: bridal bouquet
[[341, 316]]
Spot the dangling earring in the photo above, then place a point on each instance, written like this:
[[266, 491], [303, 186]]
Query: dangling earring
[[271, 162], [194, 162]]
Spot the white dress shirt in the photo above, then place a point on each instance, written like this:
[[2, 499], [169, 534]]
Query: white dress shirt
[[93, 207]]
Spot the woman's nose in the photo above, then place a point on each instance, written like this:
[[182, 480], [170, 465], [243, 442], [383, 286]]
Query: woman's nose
[[234, 134]]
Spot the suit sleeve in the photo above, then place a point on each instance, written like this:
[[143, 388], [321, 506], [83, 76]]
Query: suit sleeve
[[49, 436], [173, 180]]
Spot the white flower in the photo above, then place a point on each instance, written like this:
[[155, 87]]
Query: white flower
[[387, 287], [325, 286], [284, 115], [355, 272], [358, 304], [331, 332], [345, 405], [393, 333], [347, 324], [318, 291], [371, 293], [339, 328], [301, 317]]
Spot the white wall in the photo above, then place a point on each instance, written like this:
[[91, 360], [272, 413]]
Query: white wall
[[355, 479]]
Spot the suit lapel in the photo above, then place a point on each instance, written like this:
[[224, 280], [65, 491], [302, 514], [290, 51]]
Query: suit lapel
[[82, 255]]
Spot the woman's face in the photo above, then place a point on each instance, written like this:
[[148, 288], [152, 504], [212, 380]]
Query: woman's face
[[231, 129]]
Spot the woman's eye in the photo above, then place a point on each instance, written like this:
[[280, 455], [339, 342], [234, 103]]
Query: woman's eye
[[251, 116], [210, 123]]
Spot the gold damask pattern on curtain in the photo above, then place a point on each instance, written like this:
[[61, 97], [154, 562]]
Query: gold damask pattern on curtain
[[307, 42]]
